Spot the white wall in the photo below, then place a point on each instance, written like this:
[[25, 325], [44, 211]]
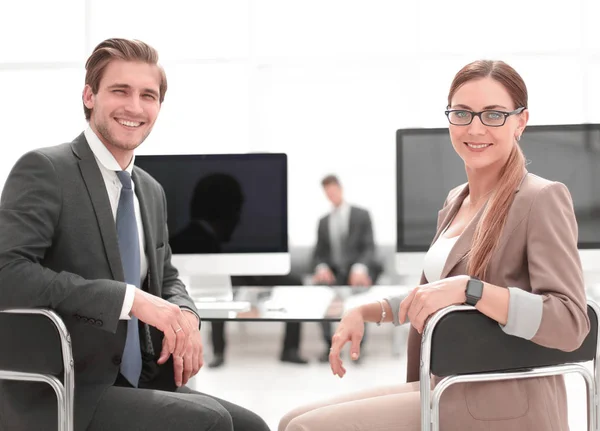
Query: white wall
[[327, 82]]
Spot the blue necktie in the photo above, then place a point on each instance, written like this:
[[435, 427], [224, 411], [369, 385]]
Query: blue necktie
[[129, 247]]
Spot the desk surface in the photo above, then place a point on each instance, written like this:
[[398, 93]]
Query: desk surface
[[292, 303]]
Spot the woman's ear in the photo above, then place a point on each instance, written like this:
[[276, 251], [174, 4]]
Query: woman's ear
[[523, 119]]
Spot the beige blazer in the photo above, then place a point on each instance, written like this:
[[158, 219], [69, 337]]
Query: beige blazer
[[537, 252]]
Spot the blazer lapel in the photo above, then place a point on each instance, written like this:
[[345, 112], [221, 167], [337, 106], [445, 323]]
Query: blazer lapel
[[352, 224], [447, 213], [99, 197], [143, 195], [463, 244], [326, 236]]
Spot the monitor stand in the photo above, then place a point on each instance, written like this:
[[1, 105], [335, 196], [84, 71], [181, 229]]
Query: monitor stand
[[208, 288]]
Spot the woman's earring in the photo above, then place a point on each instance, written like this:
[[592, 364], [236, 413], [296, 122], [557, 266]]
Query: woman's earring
[[518, 138]]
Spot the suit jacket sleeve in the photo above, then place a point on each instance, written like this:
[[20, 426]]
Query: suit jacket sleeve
[[321, 254], [367, 242], [173, 289], [555, 269], [30, 210]]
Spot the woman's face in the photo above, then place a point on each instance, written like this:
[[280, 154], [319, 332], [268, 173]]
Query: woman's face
[[482, 146]]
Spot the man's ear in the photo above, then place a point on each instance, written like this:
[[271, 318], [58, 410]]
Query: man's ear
[[88, 97]]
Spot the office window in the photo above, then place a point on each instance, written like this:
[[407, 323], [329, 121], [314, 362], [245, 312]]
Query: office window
[[35, 31], [180, 30], [334, 28]]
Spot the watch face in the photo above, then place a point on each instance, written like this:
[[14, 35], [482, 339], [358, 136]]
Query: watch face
[[474, 290]]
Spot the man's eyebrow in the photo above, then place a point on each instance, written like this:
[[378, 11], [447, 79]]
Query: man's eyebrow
[[128, 87]]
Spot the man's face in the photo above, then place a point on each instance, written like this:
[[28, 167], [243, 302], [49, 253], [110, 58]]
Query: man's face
[[126, 106], [334, 194]]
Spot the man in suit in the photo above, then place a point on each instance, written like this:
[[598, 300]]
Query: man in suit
[[83, 232], [345, 250]]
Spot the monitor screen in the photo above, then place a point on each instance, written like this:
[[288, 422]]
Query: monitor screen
[[428, 168], [224, 206]]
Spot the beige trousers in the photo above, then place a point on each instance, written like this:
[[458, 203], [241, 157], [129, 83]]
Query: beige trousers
[[380, 409]]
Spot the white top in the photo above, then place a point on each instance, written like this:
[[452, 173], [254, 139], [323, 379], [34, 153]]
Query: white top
[[436, 257], [108, 167]]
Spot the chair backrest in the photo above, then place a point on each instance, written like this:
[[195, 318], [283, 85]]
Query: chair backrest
[[468, 342], [30, 343]]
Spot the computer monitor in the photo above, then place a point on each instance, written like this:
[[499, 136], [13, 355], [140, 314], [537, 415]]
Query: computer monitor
[[227, 213], [428, 168]]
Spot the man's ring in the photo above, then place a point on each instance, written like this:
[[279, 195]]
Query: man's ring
[[177, 330]]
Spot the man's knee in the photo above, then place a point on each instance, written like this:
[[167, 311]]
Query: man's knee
[[222, 423], [204, 414]]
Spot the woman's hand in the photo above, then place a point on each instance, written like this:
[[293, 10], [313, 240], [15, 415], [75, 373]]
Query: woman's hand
[[426, 299], [351, 328]]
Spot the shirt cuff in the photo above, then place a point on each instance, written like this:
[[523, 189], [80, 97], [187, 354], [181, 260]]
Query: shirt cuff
[[321, 266], [524, 313], [127, 302], [360, 268], [394, 302]]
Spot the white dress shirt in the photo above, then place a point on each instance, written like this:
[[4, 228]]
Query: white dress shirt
[[108, 167], [339, 221], [436, 257]]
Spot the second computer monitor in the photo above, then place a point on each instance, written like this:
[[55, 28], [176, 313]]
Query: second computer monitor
[[227, 214]]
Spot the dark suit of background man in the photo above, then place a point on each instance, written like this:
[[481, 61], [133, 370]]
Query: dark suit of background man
[[345, 250], [73, 229]]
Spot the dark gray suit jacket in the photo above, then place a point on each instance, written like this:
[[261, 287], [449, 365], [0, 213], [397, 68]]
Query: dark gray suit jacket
[[58, 249], [359, 245]]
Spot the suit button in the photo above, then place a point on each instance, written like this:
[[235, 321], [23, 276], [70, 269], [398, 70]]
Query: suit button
[[92, 321], [99, 323], [116, 360]]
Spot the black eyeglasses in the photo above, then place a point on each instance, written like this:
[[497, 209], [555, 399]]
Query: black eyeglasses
[[492, 118]]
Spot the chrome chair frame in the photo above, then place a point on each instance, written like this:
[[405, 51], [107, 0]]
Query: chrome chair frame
[[64, 390], [430, 399]]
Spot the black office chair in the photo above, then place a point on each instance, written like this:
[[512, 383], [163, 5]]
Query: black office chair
[[36, 346], [489, 354]]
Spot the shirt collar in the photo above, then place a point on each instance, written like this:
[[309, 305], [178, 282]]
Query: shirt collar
[[103, 156], [343, 208]]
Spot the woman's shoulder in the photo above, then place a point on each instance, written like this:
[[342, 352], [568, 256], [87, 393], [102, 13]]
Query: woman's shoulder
[[533, 184], [534, 189]]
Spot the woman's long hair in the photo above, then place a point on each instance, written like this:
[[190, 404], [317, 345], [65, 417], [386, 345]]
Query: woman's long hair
[[490, 226]]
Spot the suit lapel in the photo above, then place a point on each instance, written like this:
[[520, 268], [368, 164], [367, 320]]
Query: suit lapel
[[326, 236], [352, 221], [144, 197], [97, 190], [463, 244]]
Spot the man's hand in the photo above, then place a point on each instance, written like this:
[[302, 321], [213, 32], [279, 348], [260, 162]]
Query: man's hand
[[360, 278], [167, 318], [193, 357], [324, 276]]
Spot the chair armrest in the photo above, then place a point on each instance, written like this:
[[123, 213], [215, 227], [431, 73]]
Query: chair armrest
[[34, 341], [465, 341]]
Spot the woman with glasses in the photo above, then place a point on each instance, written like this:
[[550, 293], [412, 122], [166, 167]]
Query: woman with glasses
[[506, 243]]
